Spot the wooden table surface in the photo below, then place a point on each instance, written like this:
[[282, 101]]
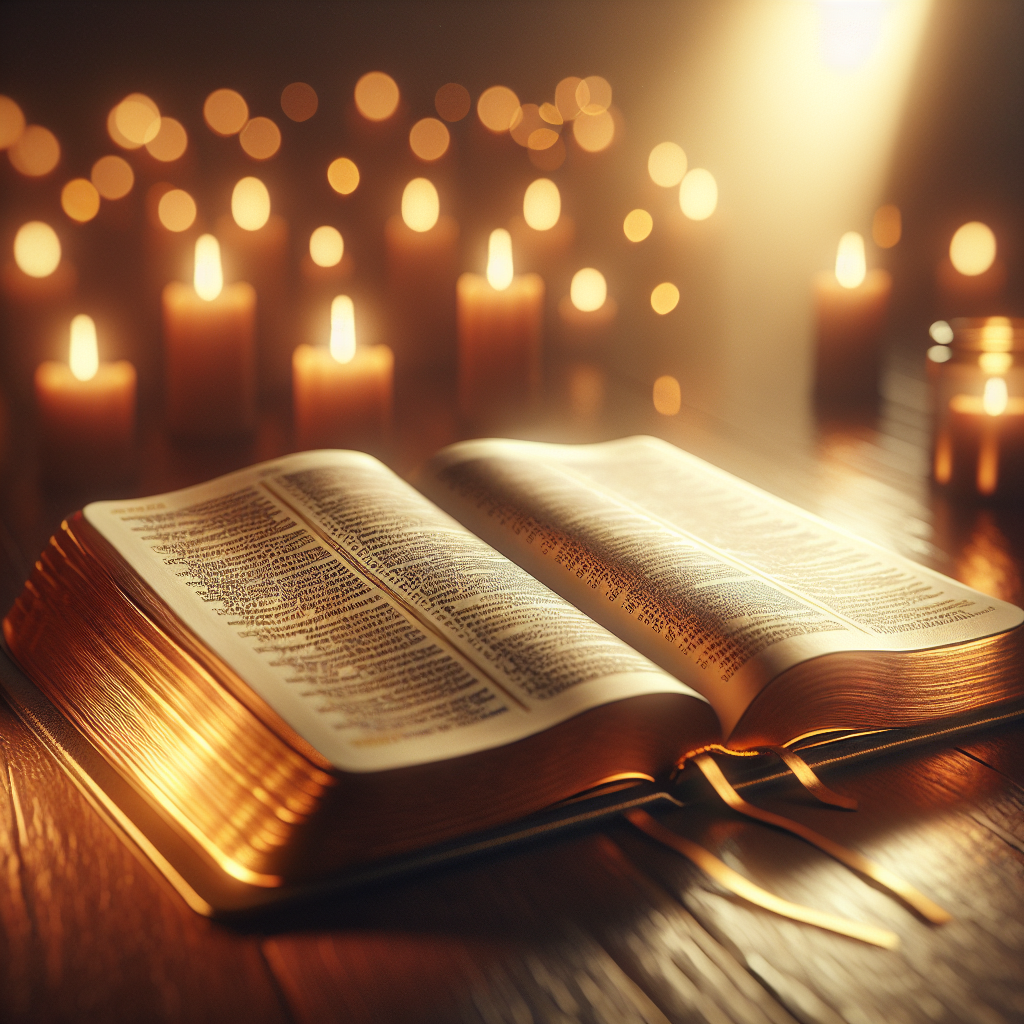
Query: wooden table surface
[[600, 927]]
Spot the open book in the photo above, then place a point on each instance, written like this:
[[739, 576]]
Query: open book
[[308, 666]]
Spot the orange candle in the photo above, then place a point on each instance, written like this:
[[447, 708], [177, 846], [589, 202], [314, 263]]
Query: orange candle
[[86, 411], [210, 357], [499, 329], [342, 394]]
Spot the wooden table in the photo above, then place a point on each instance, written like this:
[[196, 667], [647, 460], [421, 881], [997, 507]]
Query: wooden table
[[600, 927]]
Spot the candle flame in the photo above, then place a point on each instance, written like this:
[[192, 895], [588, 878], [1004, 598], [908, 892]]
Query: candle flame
[[499, 259], [420, 205], [84, 356], [996, 397], [851, 266], [209, 278], [343, 329]]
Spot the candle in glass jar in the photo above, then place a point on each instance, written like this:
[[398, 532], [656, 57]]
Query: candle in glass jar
[[86, 411], [209, 350], [342, 394], [499, 330]]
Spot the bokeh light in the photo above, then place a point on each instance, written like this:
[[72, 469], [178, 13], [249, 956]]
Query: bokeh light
[[170, 142], [225, 111], [667, 164], [973, 248], [542, 138], [299, 101], [84, 355], [113, 177], [698, 194], [176, 210], [940, 354], [851, 264], [376, 96], [550, 113], [667, 396], [452, 101], [887, 226], [664, 298], [115, 133], [542, 204], [80, 200], [260, 138], [250, 204], [343, 175], [429, 138], [594, 132], [593, 95], [941, 333], [549, 159], [637, 225], [525, 121], [343, 329], [37, 249], [36, 152], [208, 276], [496, 108], [995, 397], [565, 98], [137, 119], [12, 122], [588, 290], [499, 260], [420, 205], [326, 246]]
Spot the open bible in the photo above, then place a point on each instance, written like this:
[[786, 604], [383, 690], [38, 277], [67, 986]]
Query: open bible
[[307, 667]]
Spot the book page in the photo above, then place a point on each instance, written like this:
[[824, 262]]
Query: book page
[[722, 584], [380, 629]]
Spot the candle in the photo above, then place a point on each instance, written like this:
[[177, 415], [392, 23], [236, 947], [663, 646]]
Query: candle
[[981, 447], [499, 330], [86, 411], [342, 394], [210, 361], [851, 308]]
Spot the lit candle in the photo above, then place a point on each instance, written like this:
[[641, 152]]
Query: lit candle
[[851, 308], [210, 360], [342, 394], [499, 321], [981, 448], [423, 263], [86, 411]]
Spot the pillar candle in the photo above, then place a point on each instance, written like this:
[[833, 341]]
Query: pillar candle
[[499, 329], [209, 350]]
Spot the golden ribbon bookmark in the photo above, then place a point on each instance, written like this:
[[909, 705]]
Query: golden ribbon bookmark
[[806, 777], [906, 892], [743, 887]]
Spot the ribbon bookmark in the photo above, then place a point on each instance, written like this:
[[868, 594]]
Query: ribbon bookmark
[[903, 890], [743, 887], [806, 777]]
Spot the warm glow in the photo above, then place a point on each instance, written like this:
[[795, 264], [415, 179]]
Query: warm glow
[[85, 356], [887, 226], [851, 267], [940, 354], [113, 177], [250, 204], [593, 95], [452, 101], [698, 194], [588, 290], [299, 101], [420, 205], [176, 210], [260, 138], [995, 362], [343, 329], [664, 298], [565, 97], [36, 152], [594, 132], [941, 333], [115, 133], [541, 138], [12, 122], [637, 225], [376, 96], [326, 246], [499, 259], [137, 119], [170, 142], [996, 397], [542, 204], [973, 249], [997, 334], [526, 121], [37, 249], [225, 111], [80, 200], [429, 139], [209, 278], [496, 108], [549, 112], [343, 175], [666, 395], [666, 164]]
